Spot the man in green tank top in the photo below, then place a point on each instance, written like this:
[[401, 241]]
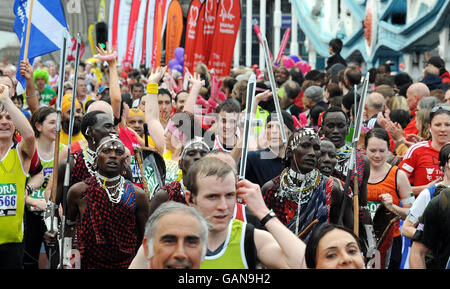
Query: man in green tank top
[[213, 192], [15, 160]]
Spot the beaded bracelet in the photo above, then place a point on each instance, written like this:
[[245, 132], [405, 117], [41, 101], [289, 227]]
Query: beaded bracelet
[[152, 88]]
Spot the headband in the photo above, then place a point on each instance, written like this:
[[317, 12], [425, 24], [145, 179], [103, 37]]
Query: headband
[[196, 142], [302, 133], [109, 138]]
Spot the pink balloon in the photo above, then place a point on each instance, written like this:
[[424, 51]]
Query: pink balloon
[[304, 67], [287, 62]]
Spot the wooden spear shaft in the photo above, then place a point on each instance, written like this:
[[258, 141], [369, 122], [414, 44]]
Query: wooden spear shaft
[[27, 38]]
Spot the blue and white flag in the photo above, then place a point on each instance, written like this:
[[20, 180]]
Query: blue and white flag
[[47, 25]]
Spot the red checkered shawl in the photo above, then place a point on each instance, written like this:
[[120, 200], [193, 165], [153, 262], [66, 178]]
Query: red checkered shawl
[[107, 233]]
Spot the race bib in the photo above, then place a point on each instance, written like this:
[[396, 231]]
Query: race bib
[[8, 200], [373, 206], [135, 170], [38, 195]]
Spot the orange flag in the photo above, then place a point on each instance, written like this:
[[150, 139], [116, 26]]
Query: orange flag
[[157, 40], [174, 29]]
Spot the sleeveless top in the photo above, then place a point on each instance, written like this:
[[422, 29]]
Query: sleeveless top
[[175, 191], [39, 193], [12, 196], [232, 255], [387, 186]]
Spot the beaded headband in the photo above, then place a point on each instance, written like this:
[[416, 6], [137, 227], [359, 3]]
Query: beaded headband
[[300, 134], [109, 138]]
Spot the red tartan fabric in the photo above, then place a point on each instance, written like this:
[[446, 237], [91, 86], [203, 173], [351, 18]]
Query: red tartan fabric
[[285, 210], [107, 233], [79, 171], [174, 190], [360, 164]]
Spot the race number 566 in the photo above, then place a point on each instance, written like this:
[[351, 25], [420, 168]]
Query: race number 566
[[8, 201]]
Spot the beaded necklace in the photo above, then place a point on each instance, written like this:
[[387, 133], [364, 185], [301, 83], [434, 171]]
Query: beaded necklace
[[89, 156], [119, 186], [289, 190]]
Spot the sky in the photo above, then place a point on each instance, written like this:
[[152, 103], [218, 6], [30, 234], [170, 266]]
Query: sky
[[8, 38]]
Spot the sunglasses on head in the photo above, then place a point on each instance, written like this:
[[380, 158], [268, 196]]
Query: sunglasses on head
[[440, 107]]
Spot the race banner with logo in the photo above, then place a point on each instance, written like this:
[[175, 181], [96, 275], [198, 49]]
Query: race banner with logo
[[190, 38], [199, 53], [227, 26], [131, 39], [209, 27], [174, 29]]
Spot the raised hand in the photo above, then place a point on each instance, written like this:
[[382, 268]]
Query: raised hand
[[251, 194], [196, 80], [264, 96], [25, 69], [157, 74], [106, 55], [4, 92]]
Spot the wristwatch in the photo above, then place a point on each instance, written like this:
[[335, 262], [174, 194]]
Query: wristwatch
[[269, 216]]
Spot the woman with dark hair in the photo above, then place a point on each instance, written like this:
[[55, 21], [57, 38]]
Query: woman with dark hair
[[43, 122], [387, 186], [333, 247]]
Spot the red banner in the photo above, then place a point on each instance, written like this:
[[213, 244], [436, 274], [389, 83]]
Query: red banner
[[199, 53], [115, 24], [191, 30], [209, 27], [227, 26], [132, 27], [283, 45], [174, 29], [72, 51]]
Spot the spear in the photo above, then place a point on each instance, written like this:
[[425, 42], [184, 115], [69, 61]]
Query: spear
[[62, 72], [247, 123], [274, 88], [67, 171]]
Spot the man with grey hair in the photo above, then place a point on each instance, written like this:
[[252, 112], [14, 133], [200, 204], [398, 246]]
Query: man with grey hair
[[175, 237], [374, 104], [313, 99]]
